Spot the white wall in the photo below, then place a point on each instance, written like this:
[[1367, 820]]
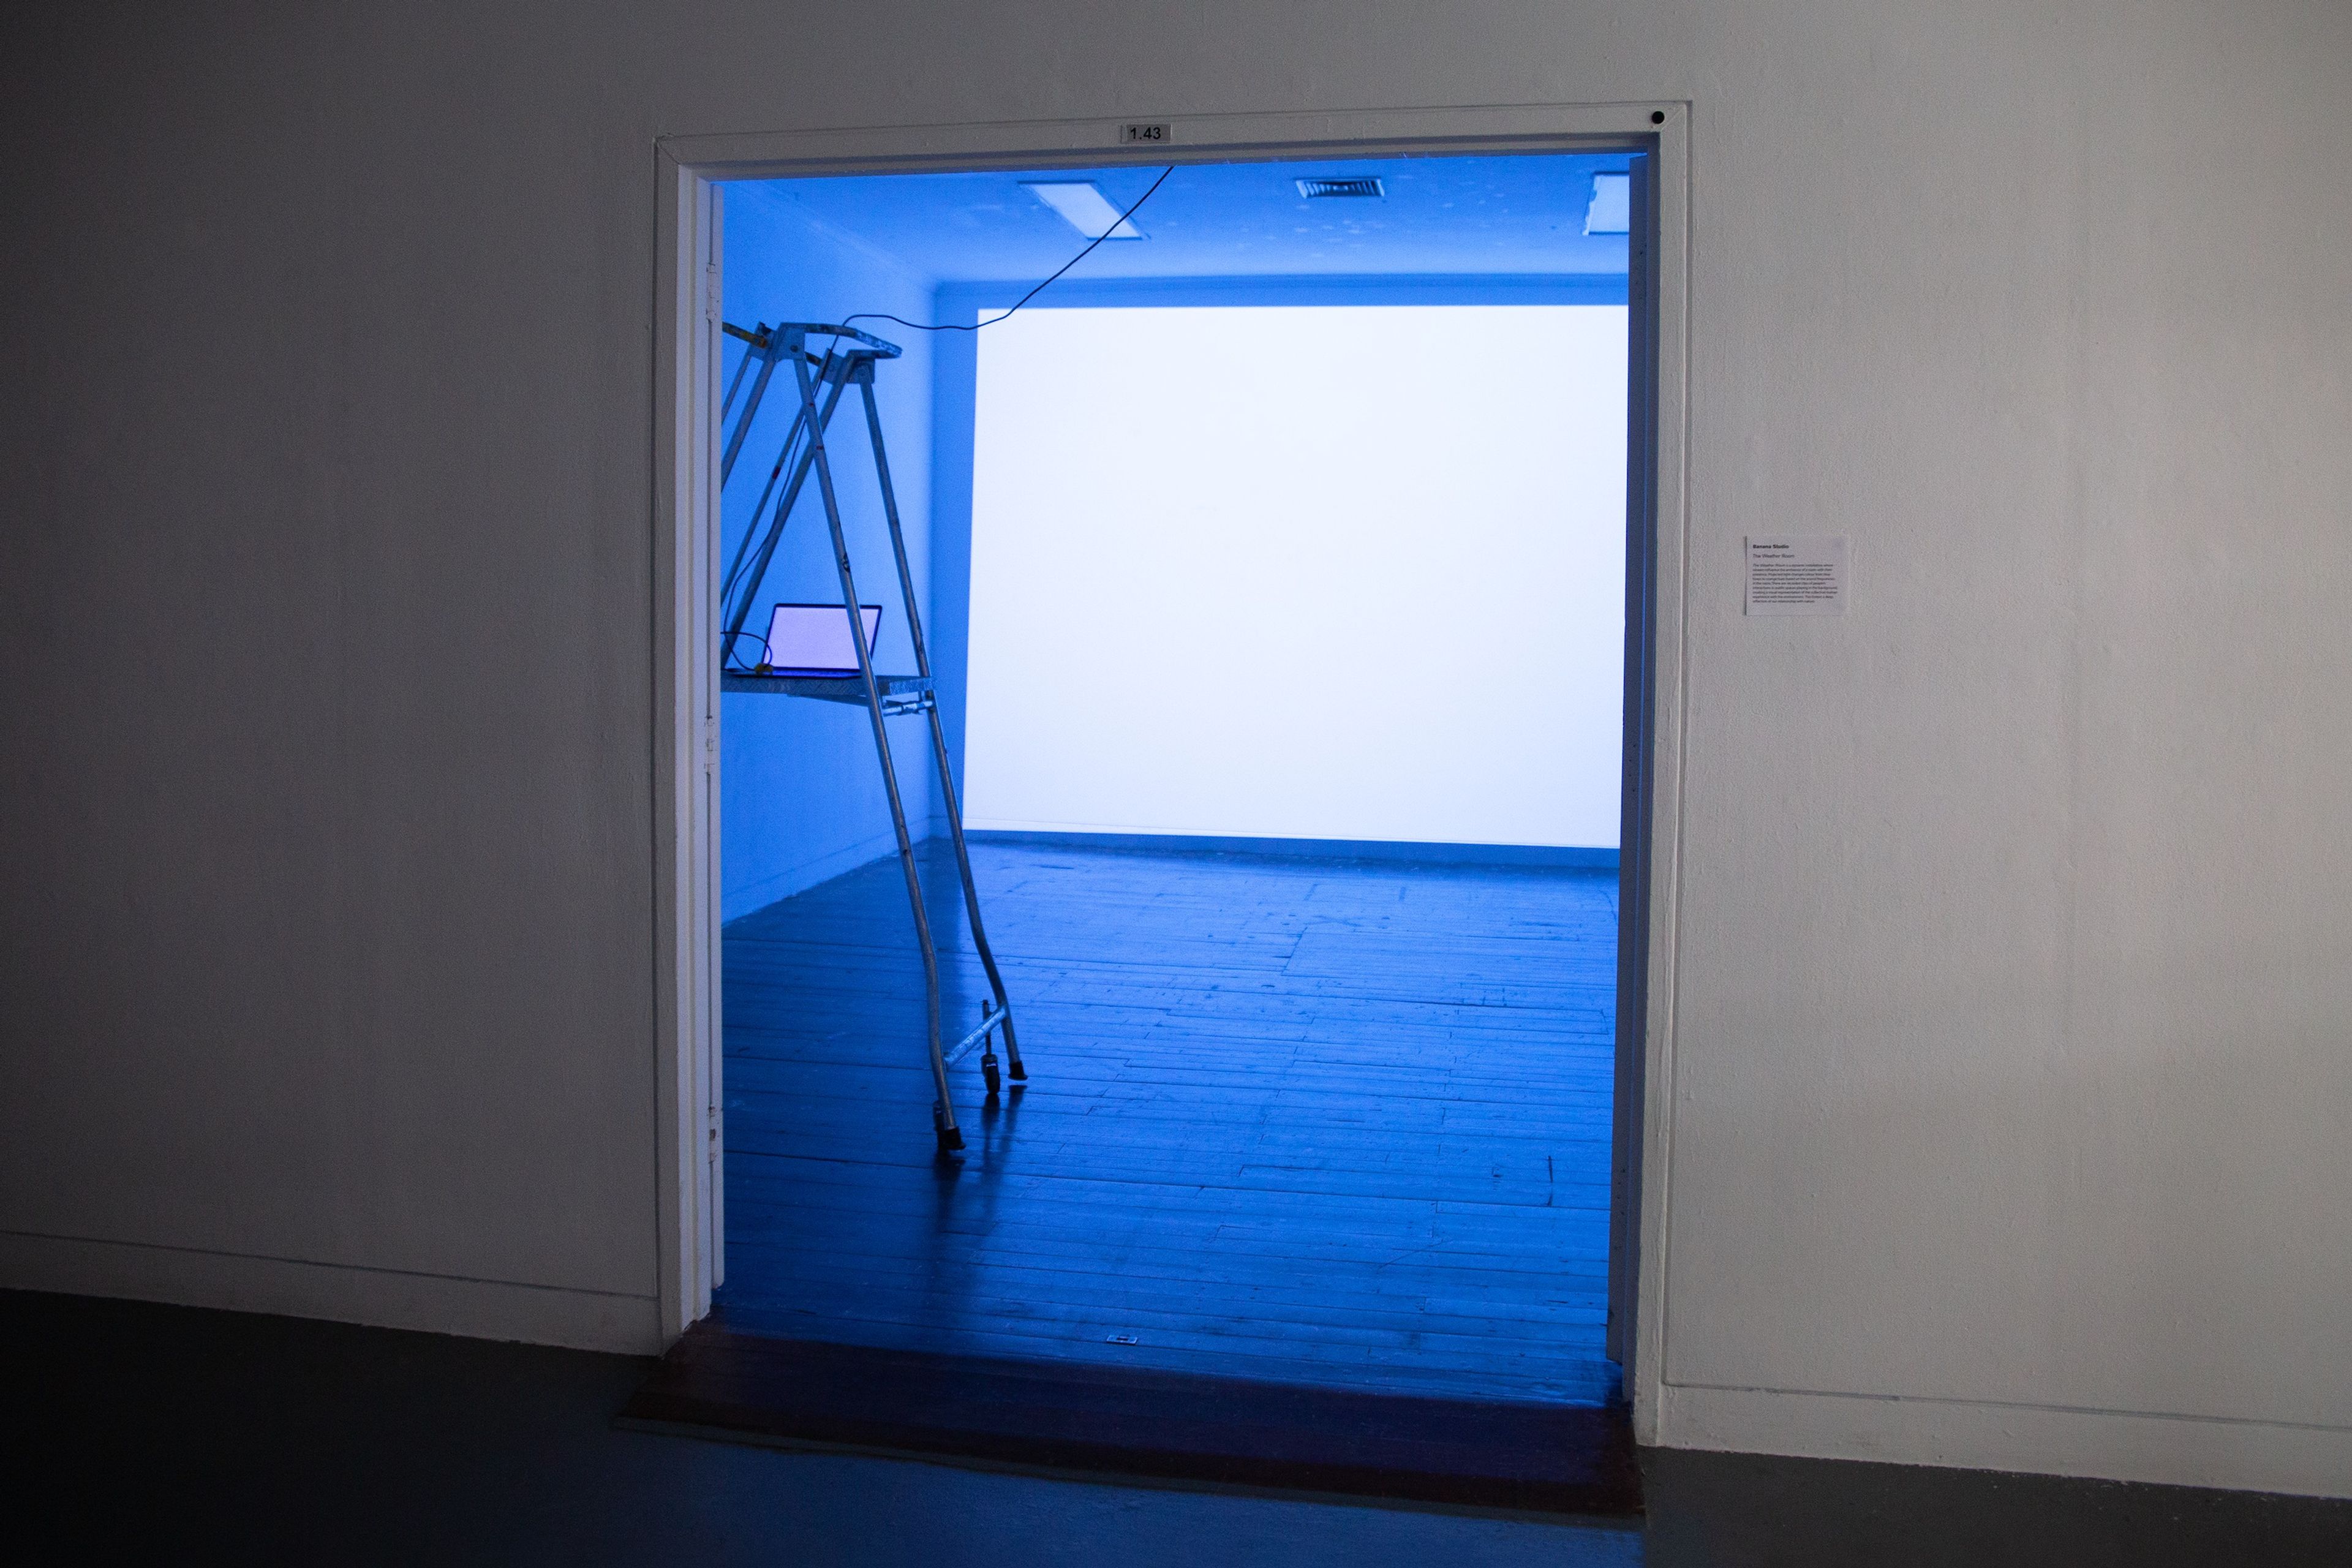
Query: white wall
[[2011, 1090], [1337, 572], [801, 789]]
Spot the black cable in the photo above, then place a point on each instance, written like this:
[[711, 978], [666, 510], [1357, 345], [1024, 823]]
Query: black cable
[[1072, 261], [744, 670], [794, 442]]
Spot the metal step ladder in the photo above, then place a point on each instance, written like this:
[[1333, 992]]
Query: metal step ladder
[[849, 360]]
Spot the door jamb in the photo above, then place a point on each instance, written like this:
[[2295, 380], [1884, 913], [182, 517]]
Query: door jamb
[[690, 1218], [686, 358]]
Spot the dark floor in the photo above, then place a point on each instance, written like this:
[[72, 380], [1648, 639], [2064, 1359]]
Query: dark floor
[[138, 1432], [1326, 1122]]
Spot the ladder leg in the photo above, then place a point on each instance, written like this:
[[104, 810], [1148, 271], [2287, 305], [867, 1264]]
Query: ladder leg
[[749, 591], [752, 531], [971, 896], [939, 736], [750, 353], [943, 1107], [751, 409]]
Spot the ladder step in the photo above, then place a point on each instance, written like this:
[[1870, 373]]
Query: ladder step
[[962, 1048]]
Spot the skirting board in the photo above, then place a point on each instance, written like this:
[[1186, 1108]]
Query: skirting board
[[380, 1298], [737, 902], [1530, 855], [2169, 1451]]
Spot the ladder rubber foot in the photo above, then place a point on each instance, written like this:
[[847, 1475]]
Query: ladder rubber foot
[[1020, 1073], [988, 1071]]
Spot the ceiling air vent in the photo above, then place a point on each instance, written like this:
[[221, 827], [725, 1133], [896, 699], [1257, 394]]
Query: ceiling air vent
[[1366, 186]]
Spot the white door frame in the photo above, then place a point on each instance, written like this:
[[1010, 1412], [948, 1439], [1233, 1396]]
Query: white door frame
[[689, 1218], [686, 359]]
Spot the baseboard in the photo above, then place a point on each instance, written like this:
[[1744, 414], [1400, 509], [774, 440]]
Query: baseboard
[[2170, 1450], [737, 902], [1529, 855], [381, 1297]]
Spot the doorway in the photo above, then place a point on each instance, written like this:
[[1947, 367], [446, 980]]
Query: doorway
[[1314, 1104]]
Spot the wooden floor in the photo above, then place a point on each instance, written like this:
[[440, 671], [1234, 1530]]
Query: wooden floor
[[1339, 1123]]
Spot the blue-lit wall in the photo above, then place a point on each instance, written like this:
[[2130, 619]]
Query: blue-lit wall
[[801, 797]]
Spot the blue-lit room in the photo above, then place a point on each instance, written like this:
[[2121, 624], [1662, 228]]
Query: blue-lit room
[[1269, 565]]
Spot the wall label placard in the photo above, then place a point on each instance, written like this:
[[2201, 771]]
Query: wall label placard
[[1793, 574]]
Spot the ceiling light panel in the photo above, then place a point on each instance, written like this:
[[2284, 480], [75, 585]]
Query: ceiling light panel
[[1611, 210], [1084, 207]]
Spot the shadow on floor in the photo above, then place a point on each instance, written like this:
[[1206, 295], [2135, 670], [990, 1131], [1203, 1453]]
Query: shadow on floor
[[198, 1434]]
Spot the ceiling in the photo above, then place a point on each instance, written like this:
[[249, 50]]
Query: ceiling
[[1518, 215]]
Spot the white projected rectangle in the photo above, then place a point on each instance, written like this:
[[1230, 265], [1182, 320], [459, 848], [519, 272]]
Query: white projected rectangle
[[1351, 572]]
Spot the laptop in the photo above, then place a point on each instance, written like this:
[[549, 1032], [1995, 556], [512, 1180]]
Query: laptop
[[814, 639]]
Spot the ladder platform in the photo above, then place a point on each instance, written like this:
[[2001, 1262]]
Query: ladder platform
[[901, 693]]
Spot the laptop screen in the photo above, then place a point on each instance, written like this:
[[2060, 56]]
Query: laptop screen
[[814, 639]]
